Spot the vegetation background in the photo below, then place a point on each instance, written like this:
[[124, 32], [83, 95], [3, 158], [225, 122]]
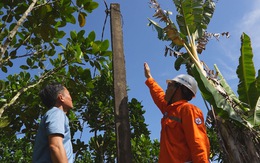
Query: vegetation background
[[62, 40]]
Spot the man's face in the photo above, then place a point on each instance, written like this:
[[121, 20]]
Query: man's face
[[66, 99], [170, 90]]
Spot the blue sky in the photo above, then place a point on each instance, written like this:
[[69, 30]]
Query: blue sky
[[142, 45]]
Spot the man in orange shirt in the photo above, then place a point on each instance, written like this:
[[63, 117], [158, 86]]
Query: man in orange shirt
[[183, 134]]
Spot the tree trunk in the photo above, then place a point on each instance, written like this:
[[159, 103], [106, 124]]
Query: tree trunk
[[239, 144]]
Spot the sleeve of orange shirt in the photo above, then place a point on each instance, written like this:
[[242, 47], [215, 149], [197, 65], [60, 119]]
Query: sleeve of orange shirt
[[195, 133], [157, 94]]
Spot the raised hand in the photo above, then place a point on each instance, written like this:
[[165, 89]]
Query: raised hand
[[147, 71]]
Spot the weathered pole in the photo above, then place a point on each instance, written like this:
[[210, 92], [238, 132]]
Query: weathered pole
[[122, 125]]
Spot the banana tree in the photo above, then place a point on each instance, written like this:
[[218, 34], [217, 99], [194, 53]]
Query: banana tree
[[233, 121]]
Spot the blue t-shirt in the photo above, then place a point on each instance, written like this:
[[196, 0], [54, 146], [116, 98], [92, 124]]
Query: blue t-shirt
[[54, 121]]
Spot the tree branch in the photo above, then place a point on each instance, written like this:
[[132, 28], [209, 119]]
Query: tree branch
[[9, 39], [24, 89]]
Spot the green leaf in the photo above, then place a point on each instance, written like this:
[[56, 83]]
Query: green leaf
[[60, 34], [92, 36], [4, 69], [81, 33], [79, 53], [208, 10], [2, 85], [3, 100], [106, 53], [27, 76], [71, 19], [4, 121], [258, 82], [24, 67], [211, 94], [104, 45], [181, 60], [43, 10], [46, 32], [41, 65], [73, 35], [158, 28], [95, 47], [193, 15], [86, 75], [90, 6], [246, 73], [29, 62], [10, 63], [254, 120], [189, 12], [229, 91], [13, 54], [79, 3]]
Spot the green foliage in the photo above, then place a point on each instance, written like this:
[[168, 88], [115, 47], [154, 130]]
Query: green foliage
[[215, 150], [246, 74], [137, 121], [214, 97], [40, 32], [40, 50], [99, 116], [4, 122], [13, 149], [194, 16], [248, 87], [144, 150], [254, 118]]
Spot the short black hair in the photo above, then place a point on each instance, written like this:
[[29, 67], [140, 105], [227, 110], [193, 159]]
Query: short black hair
[[50, 93]]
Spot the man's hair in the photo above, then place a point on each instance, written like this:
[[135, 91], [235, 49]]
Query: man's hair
[[50, 93]]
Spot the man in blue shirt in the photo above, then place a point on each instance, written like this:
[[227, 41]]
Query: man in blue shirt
[[53, 139]]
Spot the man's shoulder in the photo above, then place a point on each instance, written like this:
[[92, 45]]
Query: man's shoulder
[[54, 113], [54, 110], [189, 107]]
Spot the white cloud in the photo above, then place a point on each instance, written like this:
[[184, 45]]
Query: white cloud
[[250, 24], [250, 20]]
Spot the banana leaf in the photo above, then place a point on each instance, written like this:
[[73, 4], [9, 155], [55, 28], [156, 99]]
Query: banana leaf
[[246, 74], [194, 15], [159, 29], [230, 92], [222, 107], [254, 120]]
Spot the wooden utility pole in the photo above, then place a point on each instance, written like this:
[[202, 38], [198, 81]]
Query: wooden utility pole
[[122, 125]]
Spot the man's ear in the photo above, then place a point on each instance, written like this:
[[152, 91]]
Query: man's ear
[[60, 97]]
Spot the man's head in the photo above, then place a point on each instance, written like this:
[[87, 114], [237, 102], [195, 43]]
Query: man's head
[[186, 84], [55, 94]]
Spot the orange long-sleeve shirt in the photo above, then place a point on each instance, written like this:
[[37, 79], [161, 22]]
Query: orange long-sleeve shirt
[[183, 134]]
